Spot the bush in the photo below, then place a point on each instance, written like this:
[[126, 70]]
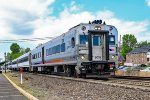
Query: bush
[[148, 64]]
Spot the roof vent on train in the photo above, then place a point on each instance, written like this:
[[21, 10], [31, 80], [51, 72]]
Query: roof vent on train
[[97, 22]]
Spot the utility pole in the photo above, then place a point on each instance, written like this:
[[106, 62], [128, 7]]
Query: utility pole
[[5, 61]]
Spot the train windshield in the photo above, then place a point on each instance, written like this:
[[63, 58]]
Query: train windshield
[[96, 40], [83, 39], [111, 40]]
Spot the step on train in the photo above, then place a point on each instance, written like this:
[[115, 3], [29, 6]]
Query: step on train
[[85, 49]]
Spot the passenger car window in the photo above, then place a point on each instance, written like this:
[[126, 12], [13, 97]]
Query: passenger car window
[[46, 52], [54, 50], [83, 39], [49, 51], [63, 47], [73, 42], [58, 49]]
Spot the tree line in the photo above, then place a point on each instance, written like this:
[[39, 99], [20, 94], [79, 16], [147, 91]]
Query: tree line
[[129, 42], [16, 51]]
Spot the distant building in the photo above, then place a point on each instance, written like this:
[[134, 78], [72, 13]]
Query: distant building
[[121, 60], [138, 56]]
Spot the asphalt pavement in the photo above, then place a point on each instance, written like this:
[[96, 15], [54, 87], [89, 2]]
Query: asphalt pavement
[[8, 92]]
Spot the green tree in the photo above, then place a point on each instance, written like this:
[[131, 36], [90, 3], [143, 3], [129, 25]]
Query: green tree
[[15, 48], [128, 43], [16, 51], [8, 56], [15, 55], [22, 50], [142, 43], [27, 50]]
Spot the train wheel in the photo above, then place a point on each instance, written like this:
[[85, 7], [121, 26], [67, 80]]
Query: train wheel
[[68, 72], [76, 75], [83, 75]]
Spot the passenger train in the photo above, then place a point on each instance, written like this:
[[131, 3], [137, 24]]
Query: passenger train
[[87, 48]]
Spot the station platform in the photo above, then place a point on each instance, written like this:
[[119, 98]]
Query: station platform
[[8, 92]]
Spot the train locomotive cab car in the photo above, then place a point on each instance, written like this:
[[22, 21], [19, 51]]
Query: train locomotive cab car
[[88, 48], [97, 46]]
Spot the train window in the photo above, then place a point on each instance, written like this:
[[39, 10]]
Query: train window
[[111, 40], [73, 42], [35, 55], [96, 40], [40, 54], [63, 47], [83, 39], [49, 51], [58, 49], [46, 52], [54, 50]]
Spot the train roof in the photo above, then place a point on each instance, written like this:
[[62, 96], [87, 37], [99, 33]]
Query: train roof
[[74, 27], [24, 55]]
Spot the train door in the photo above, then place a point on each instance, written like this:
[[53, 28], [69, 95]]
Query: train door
[[97, 49], [30, 63], [98, 45], [43, 55]]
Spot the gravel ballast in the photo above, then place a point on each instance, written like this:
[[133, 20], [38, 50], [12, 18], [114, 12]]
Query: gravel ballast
[[48, 88]]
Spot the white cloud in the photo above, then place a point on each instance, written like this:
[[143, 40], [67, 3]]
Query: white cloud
[[148, 2], [74, 6], [35, 14], [21, 12], [34, 7], [56, 26]]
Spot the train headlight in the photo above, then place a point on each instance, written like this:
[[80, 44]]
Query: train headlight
[[82, 57], [97, 28], [113, 57]]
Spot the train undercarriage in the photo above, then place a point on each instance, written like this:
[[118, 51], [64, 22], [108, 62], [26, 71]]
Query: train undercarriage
[[104, 69]]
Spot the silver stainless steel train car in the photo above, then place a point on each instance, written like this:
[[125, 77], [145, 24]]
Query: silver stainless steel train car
[[88, 48], [20, 62]]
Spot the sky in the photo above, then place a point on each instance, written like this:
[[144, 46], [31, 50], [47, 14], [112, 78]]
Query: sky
[[26, 19]]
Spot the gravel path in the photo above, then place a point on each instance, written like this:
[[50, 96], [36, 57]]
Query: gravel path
[[59, 89]]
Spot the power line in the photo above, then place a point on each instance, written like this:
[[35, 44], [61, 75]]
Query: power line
[[30, 39], [25, 40]]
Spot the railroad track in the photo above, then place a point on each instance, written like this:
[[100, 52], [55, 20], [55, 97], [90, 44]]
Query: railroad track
[[126, 83], [142, 83]]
